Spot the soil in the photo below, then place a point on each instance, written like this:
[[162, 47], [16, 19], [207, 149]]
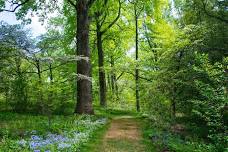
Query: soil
[[123, 136]]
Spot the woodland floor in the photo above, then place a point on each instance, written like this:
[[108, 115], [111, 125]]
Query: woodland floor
[[123, 135]]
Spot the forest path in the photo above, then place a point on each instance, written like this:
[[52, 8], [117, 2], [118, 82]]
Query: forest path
[[124, 135]]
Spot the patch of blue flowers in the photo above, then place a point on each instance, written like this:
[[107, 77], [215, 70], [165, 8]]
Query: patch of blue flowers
[[69, 140]]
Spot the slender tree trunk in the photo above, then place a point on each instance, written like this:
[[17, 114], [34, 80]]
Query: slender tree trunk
[[136, 58], [84, 86], [116, 87], [50, 96], [114, 80], [226, 81], [40, 99], [109, 82], [112, 75], [39, 80], [6, 97], [173, 102], [20, 97], [102, 78]]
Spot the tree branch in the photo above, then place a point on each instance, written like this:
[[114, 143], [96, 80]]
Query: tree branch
[[149, 80], [15, 8], [114, 21], [213, 16], [119, 76]]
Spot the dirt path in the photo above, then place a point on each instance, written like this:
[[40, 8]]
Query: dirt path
[[123, 136]]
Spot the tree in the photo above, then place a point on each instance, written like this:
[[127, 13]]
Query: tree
[[84, 84], [101, 15], [14, 41]]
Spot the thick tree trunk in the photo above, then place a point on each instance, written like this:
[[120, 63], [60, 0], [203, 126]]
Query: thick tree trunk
[[84, 85], [136, 58], [102, 80]]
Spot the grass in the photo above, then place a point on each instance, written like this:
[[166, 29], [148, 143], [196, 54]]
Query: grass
[[96, 140], [20, 132], [112, 113]]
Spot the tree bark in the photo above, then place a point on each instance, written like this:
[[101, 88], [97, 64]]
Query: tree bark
[[40, 98], [50, 96], [114, 80], [84, 86], [136, 58], [112, 75], [39, 81], [102, 80]]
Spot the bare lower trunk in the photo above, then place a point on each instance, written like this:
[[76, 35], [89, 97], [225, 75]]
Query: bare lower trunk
[[173, 104], [102, 80], [40, 98], [114, 86], [136, 58], [84, 85]]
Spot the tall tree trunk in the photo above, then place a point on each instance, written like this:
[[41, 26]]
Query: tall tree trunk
[[136, 58], [174, 94], [116, 87], [6, 97], [50, 96], [112, 73], [40, 92], [114, 80], [84, 85], [173, 103], [20, 95], [39, 80], [102, 78], [109, 82]]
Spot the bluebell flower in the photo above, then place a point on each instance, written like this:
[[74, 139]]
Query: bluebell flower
[[34, 137], [34, 145], [36, 150]]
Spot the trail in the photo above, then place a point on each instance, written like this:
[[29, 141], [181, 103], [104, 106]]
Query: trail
[[123, 136]]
